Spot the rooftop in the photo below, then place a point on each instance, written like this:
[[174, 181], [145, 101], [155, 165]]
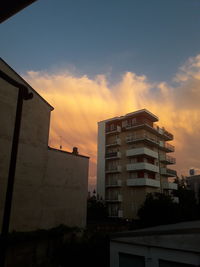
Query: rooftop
[[180, 236], [143, 112]]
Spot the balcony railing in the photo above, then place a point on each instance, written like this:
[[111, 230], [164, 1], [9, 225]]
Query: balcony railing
[[116, 214], [141, 151], [169, 186], [117, 183], [117, 129], [113, 155], [167, 159], [142, 166], [166, 147], [113, 169], [141, 137], [155, 128], [114, 198], [168, 172], [116, 142], [143, 182]]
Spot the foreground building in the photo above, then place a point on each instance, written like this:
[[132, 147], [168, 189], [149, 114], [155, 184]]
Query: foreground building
[[132, 161], [173, 245], [50, 185]]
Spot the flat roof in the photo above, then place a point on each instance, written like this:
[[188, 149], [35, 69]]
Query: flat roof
[[67, 152], [144, 112], [183, 236]]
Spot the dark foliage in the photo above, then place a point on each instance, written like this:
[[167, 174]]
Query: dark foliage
[[158, 209], [96, 210], [91, 249], [188, 208]]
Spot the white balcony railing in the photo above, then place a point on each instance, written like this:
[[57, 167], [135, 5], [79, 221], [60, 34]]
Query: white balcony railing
[[116, 213], [113, 155], [114, 198], [170, 186], [113, 169], [167, 159], [168, 172], [142, 151], [116, 142], [143, 182], [115, 130], [166, 147], [142, 166], [117, 183], [160, 131], [175, 199], [141, 137]]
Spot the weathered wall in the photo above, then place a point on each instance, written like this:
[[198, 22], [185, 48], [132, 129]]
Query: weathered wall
[[46, 181]]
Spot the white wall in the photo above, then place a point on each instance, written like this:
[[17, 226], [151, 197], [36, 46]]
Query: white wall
[[101, 160]]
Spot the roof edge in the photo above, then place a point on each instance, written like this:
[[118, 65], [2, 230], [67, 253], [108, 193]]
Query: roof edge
[[67, 152], [27, 84]]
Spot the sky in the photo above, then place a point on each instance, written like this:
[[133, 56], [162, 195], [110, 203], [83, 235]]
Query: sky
[[94, 59]]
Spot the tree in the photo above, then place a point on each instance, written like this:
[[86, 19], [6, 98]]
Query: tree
[[187, 202], [96, 209], [158, 209]]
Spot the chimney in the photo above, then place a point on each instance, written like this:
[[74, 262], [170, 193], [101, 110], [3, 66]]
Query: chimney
[[75, 150]]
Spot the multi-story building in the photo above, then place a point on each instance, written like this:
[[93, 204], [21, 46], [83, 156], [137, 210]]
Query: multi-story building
[[132, 161]]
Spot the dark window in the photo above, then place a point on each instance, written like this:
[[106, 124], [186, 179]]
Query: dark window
[[128, 260], [163, 263]]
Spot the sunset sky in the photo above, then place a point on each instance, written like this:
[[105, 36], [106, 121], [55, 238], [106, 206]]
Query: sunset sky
[[94, 59]]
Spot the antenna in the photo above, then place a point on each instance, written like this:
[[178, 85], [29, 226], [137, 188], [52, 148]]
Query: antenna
[[60, 142]]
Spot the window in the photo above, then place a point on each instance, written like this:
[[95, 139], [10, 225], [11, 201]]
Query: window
[[124, 123], [129, 260], [112, 127], [133, 121]]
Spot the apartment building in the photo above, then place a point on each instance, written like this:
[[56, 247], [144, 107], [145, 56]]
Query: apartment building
[[133, 161]]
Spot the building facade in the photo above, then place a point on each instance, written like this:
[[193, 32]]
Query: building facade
[[193, 183], [50, 185], [132, 161]]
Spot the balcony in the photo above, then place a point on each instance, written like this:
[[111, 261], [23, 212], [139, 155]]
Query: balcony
[[142, 138], [166, 147], [167, 159], [169, 186], [116, 130], [117, 183], [113, 155], [141, 151], [168, 172], [114, 198], [116, 142], [142, 166], [114, 169], [175, 199], [116, 214], [163, 133], [159, 131], [143, 182]]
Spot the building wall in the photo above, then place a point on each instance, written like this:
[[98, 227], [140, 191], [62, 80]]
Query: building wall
[[39, 201], [101, 160]]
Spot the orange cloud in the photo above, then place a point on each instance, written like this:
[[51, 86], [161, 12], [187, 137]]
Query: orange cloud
[[80, 102]]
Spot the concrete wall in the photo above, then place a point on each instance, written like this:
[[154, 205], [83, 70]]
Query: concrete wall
[[101, 160], [47, 183]]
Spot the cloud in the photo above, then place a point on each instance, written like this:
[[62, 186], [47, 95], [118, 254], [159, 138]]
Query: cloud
[[80, 102]]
